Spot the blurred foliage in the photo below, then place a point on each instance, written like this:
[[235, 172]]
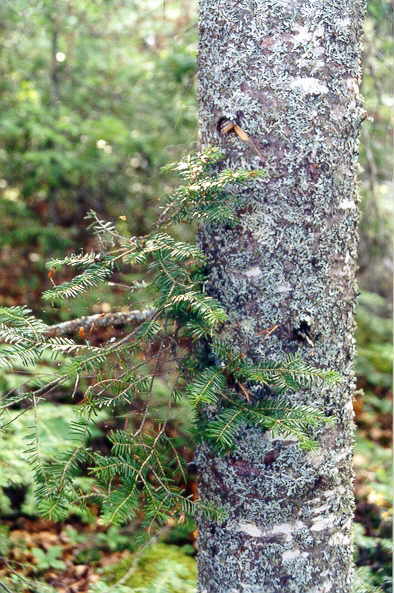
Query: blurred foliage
[[373, 456], [16, 477], [375, 351], [373, 405], [50, 557], [376, 154], [160, 567], [96, 96]]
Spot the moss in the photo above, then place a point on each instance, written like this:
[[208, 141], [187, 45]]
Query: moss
[[161, 565]]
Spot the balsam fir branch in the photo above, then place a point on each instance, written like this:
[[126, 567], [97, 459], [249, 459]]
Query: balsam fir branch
[[90, 323], [183, 326], [92, 276]]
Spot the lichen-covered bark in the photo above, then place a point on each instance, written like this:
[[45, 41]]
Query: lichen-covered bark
[[288, 72]]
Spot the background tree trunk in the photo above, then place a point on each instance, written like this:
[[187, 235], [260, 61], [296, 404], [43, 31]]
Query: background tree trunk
[[288, 72]]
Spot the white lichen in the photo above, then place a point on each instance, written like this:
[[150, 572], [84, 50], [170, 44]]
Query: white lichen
[[325, 523], [293, 554], [340, 539], [253, 272], [251, 529], [309, 85], [325, 587], [347, 204]]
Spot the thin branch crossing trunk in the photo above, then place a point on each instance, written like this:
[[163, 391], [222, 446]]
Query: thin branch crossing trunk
[[287, 73]]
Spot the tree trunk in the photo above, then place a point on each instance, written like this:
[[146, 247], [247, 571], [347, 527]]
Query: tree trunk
[[287, 72]]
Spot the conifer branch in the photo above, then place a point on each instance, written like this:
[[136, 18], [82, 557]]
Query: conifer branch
[[89, 323], [218, 384]]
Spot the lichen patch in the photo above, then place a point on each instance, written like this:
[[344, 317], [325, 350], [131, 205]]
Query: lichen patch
[[309, 85], [251, 529]]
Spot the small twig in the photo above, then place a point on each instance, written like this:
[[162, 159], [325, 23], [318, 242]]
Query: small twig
[[245, 392], [45, 389], [267, 332], [151, 316], [13, 419], [49, 386]]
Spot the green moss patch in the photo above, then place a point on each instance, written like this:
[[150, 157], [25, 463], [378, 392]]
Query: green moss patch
[[161, 568]]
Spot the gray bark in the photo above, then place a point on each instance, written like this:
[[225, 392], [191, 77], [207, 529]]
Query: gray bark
[[288, 72]]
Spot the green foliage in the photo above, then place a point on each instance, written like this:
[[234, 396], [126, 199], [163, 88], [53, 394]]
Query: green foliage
[[5, 543], [376, 152], [373, 548], [95, 147], [20, 584], [96, 97], [114, 540], [373, 462], [378, 461], [102, 587], [374, 337], [24, 340], [51, 440], [45, 560], [278, 415], [363, 582], [370, 544], [92, 276], [144, 468], [69, 139], [161, 568], [202, 199]]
